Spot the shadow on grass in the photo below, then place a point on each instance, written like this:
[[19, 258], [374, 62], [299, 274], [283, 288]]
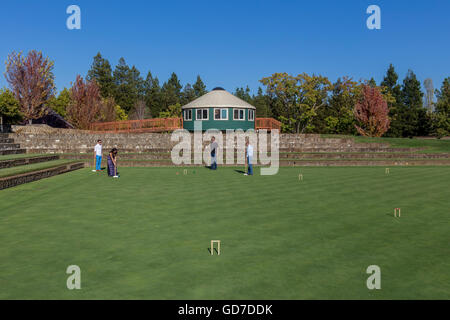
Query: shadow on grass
[[209, 250], [239, 171]]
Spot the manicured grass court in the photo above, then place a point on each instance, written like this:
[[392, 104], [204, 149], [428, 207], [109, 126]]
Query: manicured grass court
[[428, 145], [146, 235], [21, 155]]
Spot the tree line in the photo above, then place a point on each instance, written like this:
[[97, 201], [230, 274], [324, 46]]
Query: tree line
[[303, 103]]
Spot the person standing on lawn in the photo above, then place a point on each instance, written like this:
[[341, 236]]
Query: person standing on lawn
[[249, 154], [213, 146], [98, 156], [112, 163]]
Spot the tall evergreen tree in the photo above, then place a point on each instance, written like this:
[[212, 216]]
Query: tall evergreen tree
[[441, 116], [372, 83], [137, 83], [199, 87], [101, 72], [412, 94], [413, 115], [390, 86], [152, 92], [122, 79], [262, 104], [443, 97], [171, 92], [244, 94], [129, 85], [390, 81], [188, 94], [337, 116]]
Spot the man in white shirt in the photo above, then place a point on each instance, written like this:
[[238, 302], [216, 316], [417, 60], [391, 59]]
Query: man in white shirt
[[98, 156], [249, 152]]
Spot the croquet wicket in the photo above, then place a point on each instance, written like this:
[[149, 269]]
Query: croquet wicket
[[387, 171], [212, 247], [399, 212]]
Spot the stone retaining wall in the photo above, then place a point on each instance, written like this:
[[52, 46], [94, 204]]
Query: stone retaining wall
[[74, 141]]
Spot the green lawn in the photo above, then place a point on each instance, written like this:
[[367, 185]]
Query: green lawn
[[429, 145], [146, 235], [21, 156]]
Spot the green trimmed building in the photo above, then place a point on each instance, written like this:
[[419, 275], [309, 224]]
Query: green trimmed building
[[220, 110]]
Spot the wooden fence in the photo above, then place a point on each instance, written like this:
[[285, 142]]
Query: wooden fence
[[268, 124], [166, 125], [146, 125]]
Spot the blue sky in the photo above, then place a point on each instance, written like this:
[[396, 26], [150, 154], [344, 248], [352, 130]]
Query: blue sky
[[234, 43]]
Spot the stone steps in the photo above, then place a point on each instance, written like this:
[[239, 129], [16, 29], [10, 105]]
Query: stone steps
[[366, 162], [15, 180], [6, 140], [281, 150], [349, 150], [19, 170], [9, 163], [9, 146], [12, 151], [369, 155], [153, 149], [378, 155], [287, 162]]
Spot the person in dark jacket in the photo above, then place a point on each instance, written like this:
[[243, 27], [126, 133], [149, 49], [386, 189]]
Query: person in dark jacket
[[214, 146], [112, 163]]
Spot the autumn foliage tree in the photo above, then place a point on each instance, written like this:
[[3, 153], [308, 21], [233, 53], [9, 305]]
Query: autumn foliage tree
[[371, 112], [32, 81], [86, 105], [108, 110]]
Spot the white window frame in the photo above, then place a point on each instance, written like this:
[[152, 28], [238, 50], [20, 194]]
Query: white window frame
[[185, 115], [220, 111], [253, 115], [207, 114], [237, 119]]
